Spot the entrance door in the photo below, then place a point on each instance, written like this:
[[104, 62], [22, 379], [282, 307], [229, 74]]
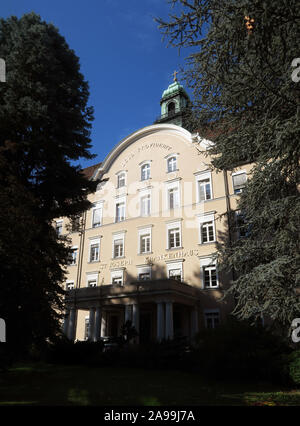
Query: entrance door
[[114, 322], [145, 327]]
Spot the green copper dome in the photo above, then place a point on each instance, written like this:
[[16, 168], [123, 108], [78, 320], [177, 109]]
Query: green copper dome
[[173, 88]]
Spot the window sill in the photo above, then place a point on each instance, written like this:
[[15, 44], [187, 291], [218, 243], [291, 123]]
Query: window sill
[[174, 248], [209, 242]]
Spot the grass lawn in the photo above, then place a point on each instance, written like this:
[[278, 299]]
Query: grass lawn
[[45, 384]]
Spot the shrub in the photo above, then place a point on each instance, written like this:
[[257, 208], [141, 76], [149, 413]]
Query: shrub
[[294, 367], [239, 351], [63, 351]]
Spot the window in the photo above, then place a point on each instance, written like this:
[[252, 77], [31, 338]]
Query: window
[[92, 279], [172, 164], [121, 180], [175, 270], [175, 274], [241, 225], [144, 240], [73, 256], [118, 244], [94, 250], [92, 283], [145, 243], [144, 273], [117, 277], [119, 248], [70, 285], [96, 216], [145, 171], [174, 238], [239, 180], [117, 280], [173, 195], [212, 319], [204, 187], [210, 276], [144, 276], [120, 211], [59, 228], [207, 232], [171, 108], [145, 205]]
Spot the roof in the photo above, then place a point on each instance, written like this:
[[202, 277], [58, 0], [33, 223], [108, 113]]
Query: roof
[[89, 171]]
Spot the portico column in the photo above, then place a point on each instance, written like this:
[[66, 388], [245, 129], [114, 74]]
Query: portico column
[[97, 333], [66, 323], [136, 316], [194, 322], [169, 320], [91, 324], [103, 324], [72, 321], [127, 313], [160, 321]]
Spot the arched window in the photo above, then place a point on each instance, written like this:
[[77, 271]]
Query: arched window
[[145, 171], [172, 164], [171, 108]]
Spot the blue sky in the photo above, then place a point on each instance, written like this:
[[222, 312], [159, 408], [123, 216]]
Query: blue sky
[[122, 56]]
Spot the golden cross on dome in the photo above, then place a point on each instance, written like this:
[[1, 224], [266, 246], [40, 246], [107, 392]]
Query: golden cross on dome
[[175, 75]]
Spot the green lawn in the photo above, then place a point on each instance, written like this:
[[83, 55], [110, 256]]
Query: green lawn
[[60, 385]]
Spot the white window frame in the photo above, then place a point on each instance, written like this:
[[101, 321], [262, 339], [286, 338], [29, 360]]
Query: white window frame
[[120, 200], [117, 273], [119, 176], [74, 250], [59, 225], [202, 176], [208, 263], [118, 236], [172, 226], [211, 311], [240, 172], [205, 219], [91, 277], [142, 232], [144, 269], [171, 266], [94, 241], [70, 285], [97, 206], [143, 195], [168, 159], [172, 185], [142, 167]]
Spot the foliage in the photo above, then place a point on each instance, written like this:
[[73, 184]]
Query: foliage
[[44, 127], [128, 332], [63, 351], [240, 351], [294, 367], [246, 101]]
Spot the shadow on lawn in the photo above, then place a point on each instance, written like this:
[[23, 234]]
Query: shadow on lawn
[[71, 385]]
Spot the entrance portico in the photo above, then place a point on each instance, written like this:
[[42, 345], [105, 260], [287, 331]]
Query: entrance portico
[[158, 310]]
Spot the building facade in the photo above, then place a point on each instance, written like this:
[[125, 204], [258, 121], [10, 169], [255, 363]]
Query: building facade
[[145, 250]]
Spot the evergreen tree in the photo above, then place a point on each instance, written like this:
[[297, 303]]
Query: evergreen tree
[[241, 76], [45, 126]]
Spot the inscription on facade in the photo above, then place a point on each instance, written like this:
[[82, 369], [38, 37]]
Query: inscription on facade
[[169, 256], [144, 148]]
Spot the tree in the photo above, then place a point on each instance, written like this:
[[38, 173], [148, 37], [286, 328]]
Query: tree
[[45, 126], [241, 76]]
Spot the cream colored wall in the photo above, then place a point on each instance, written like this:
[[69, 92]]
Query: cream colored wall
[[155, 147]]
